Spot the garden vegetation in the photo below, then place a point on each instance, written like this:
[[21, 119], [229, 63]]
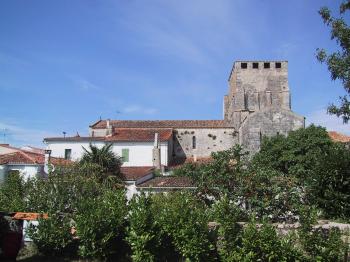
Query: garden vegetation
[[231, 216]]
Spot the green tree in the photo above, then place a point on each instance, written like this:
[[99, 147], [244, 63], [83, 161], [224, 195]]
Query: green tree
[[104, 157], [218, 177], [263, 244], [12, 192], [142, 233], [100, 224], [338, 62], [184, 220], [296, 154], [330, 187], [227, 214]]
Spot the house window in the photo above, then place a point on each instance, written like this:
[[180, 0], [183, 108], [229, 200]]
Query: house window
[[244, 65], [255, 65], [67, 153], [266, 65], [278, 65], [125, 154], [194, 142]]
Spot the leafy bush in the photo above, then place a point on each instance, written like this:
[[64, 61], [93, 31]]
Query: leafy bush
[[296, 154], [320, 244], [227, 214], [100, 223], [52, 236], [60, 192], [65, 196], [263, 244], [269, 193], [330, 186], [142, 233], [12, 192], [183, 219]]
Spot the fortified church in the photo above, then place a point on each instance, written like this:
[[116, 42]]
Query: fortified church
[[258, 104]]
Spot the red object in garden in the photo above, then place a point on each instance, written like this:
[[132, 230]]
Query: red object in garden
[[29, 216], [12, 243]]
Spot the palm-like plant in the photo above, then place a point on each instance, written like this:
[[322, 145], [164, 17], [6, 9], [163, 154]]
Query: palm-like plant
[[104, 157]]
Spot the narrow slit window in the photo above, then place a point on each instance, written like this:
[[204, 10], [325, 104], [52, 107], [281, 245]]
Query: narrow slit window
[[244, 65], [245, 101], [255, 65], [194, 142], [266, 65]]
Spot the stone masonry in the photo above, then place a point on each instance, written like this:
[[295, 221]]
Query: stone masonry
[[258, 104]]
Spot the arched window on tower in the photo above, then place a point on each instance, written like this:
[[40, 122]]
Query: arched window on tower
[[194, 142]]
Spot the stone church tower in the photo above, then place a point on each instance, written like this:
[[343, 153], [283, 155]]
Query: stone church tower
[[259, 103]]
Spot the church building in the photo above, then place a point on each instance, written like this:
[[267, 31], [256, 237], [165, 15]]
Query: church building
[[258, 104]]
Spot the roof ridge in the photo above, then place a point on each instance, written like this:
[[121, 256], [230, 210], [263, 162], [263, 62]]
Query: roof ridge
[[29, 157]]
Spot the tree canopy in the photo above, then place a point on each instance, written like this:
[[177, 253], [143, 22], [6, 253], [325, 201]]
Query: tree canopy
[[338, 62], [103, 157]]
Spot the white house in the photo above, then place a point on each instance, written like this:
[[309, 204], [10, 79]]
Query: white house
[[135, 146], [28, 163]]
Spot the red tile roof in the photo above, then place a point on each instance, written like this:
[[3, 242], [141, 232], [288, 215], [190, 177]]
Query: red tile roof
[[33, 149], [135, 173], [26, 157], [168, 182], [179, 162], [162, 124], [75, 138], [140, 134], [338, 137], [124, 135]]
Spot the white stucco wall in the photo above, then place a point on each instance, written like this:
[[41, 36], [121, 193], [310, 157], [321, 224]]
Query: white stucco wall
[[58, 148], [140, 153], [3, 172], [27, 171]]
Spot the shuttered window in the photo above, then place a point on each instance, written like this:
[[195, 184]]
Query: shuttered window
[[67, 153], [125, 154]]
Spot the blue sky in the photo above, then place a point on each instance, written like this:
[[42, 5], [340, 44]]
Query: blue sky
[[64, 64]]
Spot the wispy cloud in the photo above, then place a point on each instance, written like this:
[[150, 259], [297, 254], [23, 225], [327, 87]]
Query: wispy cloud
[[331, 122], [192, 31], [11, 60], [85, 84], [138, 109], [18, 135]]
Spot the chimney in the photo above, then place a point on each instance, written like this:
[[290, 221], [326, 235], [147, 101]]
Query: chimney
[[156, 153], [109, 128], [47, 161]]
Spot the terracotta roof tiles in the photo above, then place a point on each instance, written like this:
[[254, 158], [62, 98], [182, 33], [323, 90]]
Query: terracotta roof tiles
[[168, 182], [123, 135], [25, 157], [338, 137], [135, 173], [162, 124], [139, 134]]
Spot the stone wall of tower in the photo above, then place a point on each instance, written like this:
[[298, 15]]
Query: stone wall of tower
[[254, 86], [258, 102]]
